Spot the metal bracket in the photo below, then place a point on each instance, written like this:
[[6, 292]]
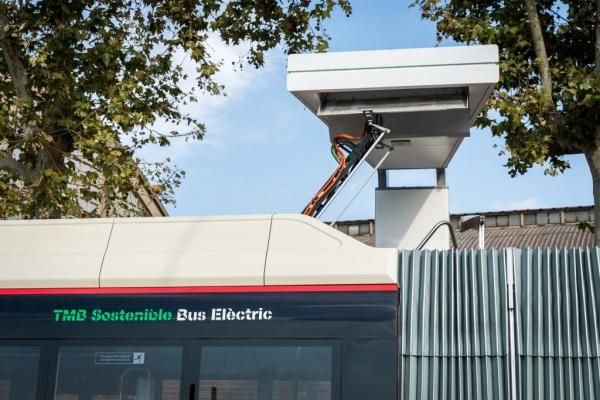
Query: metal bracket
[[382, 145], [380, 128], [369, 116]]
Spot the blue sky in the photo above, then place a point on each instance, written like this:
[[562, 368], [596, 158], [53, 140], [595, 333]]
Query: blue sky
[[265, 153]]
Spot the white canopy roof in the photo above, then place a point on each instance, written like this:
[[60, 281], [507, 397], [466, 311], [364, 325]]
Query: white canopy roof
[[429, 98]]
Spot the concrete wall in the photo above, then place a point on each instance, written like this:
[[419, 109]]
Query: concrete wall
[[404, 216]]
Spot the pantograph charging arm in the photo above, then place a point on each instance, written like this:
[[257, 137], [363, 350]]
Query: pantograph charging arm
[[357, 149]]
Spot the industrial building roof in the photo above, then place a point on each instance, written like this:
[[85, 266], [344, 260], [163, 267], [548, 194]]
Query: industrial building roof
[[547, 227]]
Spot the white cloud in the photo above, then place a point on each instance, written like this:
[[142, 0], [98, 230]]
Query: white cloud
[[237, 81], [210, 109], [509, 205]]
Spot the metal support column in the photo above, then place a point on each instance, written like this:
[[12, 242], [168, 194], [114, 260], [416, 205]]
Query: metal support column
[[440, 175], [512, 358], [382, 179]]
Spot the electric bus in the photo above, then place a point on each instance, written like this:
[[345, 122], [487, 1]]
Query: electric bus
[[272, 307]]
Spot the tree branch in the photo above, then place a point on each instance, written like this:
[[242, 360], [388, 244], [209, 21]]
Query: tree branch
[[15, 66], [16, 69], [12, 165]]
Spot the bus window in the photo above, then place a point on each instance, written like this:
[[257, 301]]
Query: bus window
[[118, 373], [18, 372], [266, 373]]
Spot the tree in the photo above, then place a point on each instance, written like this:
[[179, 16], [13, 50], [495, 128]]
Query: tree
[[547, 103], [82, 83]]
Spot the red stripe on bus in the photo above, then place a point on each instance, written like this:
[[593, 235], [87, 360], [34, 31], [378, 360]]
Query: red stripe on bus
[[203, 289]]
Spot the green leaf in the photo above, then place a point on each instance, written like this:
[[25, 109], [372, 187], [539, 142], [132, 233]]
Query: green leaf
[[106, 59], [103, 73]]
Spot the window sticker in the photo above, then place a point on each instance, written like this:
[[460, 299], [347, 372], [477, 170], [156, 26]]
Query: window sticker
[[119, 357]]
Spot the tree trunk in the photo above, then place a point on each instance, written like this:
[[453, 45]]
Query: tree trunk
[[537, 37], [15, 66], [593, 153], [20, 83], [593, 159]]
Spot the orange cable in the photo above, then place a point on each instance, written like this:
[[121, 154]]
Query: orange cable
[[336, 175]]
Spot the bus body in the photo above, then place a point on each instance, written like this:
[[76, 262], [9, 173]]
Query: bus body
[[269, 307]]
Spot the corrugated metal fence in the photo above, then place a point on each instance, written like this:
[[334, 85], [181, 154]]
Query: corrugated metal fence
[[510, 324]]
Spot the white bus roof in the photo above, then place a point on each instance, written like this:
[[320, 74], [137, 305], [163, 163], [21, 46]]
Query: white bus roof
[[203, 251]]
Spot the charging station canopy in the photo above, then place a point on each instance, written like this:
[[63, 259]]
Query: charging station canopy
[[428, 98]]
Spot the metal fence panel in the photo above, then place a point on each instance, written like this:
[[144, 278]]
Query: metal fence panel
[[453, 325], [558, 296], [454, 378], [455, 330], [558, 325], [453, 303], [560, 378]]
